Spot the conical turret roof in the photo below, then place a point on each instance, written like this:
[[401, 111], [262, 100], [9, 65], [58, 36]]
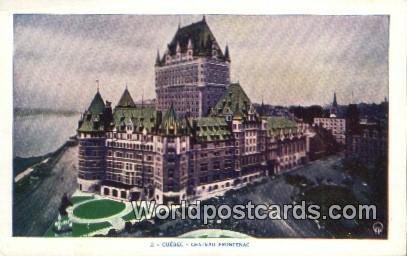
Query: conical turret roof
[[97, 105], [126, 100], [170, 122]]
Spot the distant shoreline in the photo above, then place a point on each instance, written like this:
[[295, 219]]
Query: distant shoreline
[[21, 164], [43, 111]]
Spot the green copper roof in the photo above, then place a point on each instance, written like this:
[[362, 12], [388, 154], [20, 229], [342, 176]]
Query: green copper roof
[[126, 100], [139, 117], [275, 124], [234, 101], [212, 129], [90, 123], [201, 38], [97, 105], [171, 124], [91, 119]]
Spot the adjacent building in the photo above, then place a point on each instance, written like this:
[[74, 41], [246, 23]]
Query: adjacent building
[[368, 144], [335, 124]]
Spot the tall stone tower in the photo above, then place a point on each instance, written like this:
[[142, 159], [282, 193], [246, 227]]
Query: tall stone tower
[[91, 135], [193, 73]]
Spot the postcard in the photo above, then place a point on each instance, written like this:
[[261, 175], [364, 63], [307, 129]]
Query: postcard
[[202, 132]]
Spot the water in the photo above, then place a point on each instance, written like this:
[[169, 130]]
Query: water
[[36, 135]]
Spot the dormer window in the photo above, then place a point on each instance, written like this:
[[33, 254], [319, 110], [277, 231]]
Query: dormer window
[[228, 117]]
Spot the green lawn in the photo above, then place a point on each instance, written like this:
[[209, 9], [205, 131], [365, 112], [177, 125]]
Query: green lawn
[[50, 231], [131, 216], [98, 209], [81, 229], [78, 199]]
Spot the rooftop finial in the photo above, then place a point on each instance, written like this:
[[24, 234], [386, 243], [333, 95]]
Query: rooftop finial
[[97, 84], [126, 85], [334, 103], [227, 57], [142, 97], [158, 59], [203, 18]]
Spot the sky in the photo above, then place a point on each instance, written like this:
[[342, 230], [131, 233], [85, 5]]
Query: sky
[[280, 59]]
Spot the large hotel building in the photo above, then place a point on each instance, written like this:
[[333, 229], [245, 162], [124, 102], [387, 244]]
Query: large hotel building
[[202, 138]]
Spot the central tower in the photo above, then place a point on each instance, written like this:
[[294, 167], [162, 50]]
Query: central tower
[[193, 73]]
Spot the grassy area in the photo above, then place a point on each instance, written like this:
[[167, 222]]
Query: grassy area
[[78, 199], [98, 209], [83, 229], [50, 231], [79, 229], [129, 216]]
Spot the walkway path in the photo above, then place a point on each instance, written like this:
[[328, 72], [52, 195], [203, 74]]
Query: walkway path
[[113, 219]]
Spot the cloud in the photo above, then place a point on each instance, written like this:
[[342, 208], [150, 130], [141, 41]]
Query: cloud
[[282, 59]]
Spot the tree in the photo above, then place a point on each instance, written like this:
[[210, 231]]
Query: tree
[[65, 203], [112, 233], [352, 119], [128, 226]]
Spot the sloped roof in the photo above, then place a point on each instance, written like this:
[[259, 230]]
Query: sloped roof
[[212, 129], [140, 117], [170, 115], [277, 123], [126, 100], [97, 105], [91, 122], [171, 124], [201, 37], [91, 119], [234, 101]]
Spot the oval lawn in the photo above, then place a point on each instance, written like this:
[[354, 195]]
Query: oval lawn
[[98, 209]]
